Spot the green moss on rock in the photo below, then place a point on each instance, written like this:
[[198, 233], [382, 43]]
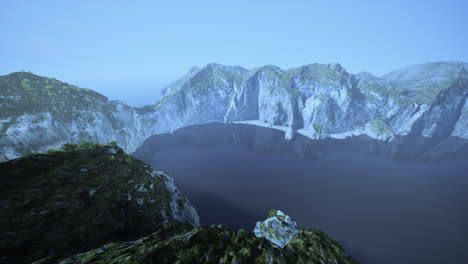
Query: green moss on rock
[[379, 126], [27, 93], [183, 244], [77, 198], [317, 128], [272, 213]]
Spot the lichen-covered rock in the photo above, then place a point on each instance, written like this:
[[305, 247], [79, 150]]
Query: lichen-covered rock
[[75, 200], [181, 243], [278, 228]]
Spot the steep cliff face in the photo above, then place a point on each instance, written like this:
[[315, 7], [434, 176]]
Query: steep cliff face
[[78, 198], [316, 100], [324, 100], [204, 95]]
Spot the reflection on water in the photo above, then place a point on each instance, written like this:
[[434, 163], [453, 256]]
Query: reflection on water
[[381, 210]]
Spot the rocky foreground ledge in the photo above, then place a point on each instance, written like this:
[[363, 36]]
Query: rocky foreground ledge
[[79, 197], [275, 240], [90, 197]]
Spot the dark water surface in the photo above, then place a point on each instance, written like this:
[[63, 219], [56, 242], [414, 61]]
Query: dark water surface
[[381, 210]]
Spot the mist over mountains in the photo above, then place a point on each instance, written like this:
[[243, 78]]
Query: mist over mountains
[[315, 100]]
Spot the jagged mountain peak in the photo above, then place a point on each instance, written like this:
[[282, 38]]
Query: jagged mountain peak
[[224, 68]]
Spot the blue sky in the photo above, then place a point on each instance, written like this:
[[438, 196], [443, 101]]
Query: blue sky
[[128, 51]]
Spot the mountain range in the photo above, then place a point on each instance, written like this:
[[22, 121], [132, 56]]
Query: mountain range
[[316, 100]]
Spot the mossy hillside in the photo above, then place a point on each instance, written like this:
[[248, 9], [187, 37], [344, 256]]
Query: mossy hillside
[[420, 84], [424, 82], [321, 74], [376, 90], [76, 199], [277, 80], [420, 93], [38, 113], [23, 93], [74, 146], [426, 92], [214, 76], [329, 76], [183, 244], [456, 93]]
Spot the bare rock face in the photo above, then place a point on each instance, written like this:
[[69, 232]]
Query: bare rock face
[[81, 197], [316, 100]]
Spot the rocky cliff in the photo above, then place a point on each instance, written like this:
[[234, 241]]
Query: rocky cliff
[[80, 197], [316, 100], [324, 100]]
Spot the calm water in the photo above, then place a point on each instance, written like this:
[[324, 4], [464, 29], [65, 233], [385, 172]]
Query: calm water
[[379, 209]]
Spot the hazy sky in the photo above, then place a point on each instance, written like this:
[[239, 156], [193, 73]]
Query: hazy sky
[[112, 45]]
